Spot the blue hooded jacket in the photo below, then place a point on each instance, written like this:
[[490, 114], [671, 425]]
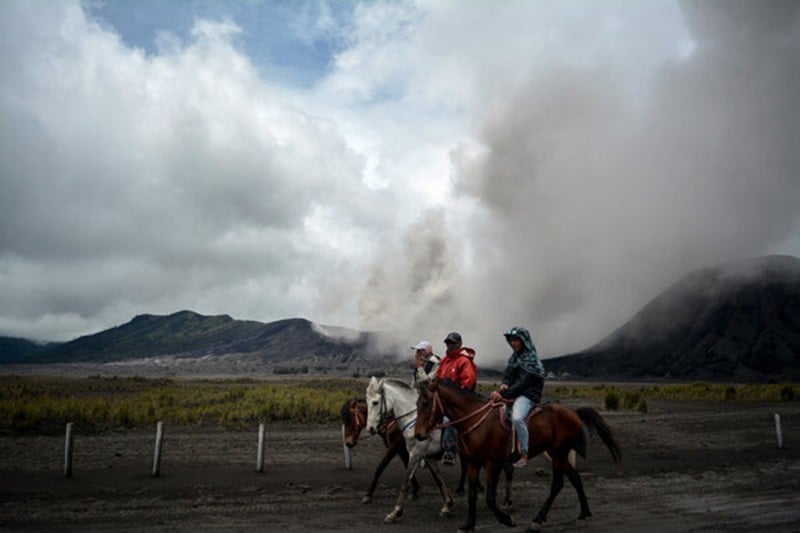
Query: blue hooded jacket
[[524, 372]]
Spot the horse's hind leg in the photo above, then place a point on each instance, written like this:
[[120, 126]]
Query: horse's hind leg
[[575, 479], [555, 488], [492, 478], [508, 468]]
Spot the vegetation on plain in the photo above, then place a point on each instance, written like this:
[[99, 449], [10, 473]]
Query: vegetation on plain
[[45, 404]]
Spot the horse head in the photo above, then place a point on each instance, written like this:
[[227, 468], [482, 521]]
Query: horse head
[[376, 405], [429, 411], [354, 419]]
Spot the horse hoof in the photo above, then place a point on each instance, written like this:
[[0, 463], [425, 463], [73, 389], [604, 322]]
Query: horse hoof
[[445, 513], [534, 527], [506, 521], [366, 499], [390, 519], [582, 516]]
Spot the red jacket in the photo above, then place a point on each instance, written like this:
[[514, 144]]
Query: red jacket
[[458, 366]]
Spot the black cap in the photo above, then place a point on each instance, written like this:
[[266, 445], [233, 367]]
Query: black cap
[[453, 337]]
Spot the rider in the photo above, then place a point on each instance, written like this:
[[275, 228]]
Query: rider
[[425, 362], [522, 382], [457, 366]]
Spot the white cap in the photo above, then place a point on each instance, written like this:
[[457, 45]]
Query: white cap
[[423, 345]]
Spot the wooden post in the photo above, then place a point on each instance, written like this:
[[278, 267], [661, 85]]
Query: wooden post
[[347, 464], [260, 454], [157, 454], [68, 451], [778, 431]]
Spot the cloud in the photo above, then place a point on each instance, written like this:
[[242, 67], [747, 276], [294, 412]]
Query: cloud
[[584, 196], [453, 166], [149, 184]]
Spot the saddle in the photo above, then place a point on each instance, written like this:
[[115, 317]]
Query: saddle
[[505, 421]]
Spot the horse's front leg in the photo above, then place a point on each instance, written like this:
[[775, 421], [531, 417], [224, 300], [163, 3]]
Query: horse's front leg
[[387, 458], [413, 462], [472, 498], [492, 479], [447, 498]]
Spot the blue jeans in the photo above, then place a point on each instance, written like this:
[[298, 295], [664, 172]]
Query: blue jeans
[[449, 439], [522, 406]]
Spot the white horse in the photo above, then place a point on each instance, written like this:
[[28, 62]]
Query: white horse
[[387, 396]]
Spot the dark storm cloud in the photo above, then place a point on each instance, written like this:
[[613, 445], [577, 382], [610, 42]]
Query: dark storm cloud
[[590, 202]]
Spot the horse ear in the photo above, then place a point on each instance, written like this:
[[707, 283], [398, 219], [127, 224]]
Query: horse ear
[[373, 381], [380, 383]]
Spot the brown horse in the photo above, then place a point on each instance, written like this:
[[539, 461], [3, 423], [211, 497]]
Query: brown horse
[[485, 442], [354, 419]]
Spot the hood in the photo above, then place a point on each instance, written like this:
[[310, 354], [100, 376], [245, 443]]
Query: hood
[[467, 352], [523, 335]]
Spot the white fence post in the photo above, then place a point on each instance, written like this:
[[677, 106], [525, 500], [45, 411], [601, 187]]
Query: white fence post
[[157, 454], [68, 451], [347, 464], [778, 431], [260, 454]]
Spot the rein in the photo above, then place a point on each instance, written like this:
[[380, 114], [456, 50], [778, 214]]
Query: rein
[[484, 411], [386, 422]]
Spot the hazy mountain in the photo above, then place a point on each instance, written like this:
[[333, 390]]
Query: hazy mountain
[[739, 321], [15, 350], [194, 343]]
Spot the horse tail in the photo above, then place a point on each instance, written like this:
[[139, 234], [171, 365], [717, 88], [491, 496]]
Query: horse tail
[[596, 425]]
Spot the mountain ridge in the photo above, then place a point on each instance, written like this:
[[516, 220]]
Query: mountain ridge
[[739, 320]]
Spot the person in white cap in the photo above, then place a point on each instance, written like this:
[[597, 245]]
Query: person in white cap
[[426, 363]]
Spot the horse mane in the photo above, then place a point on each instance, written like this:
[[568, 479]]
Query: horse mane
[[345, 412], [399, 384], [450, 384]]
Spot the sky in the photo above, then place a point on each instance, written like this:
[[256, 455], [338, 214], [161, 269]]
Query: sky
[[409, 167]]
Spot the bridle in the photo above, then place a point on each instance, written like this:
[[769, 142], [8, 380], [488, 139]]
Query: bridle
[[387, 421], [483, 411]]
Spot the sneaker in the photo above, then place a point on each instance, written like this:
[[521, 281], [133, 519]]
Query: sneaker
[[522, 462], [448, 459]]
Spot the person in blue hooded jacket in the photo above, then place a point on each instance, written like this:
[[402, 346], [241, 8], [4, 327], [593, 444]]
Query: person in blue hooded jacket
[[522, 382]]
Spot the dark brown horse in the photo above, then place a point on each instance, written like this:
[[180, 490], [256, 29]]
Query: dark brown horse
[[354, 419], [485, 442]]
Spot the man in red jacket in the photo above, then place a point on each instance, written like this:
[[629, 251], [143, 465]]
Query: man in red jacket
[[457, 366]]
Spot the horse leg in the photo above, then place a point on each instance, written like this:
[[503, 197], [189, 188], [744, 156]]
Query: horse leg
[[555, 488], [387, 458], [463, 478], [508, 468], [403, 452], [472, 498], [492, 478], [575, 479], [447, 498], [413, 462]]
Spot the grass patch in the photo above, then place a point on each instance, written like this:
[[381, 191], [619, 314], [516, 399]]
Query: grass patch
[[45, 405]]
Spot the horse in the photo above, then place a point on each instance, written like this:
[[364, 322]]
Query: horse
[[354, 419], [393, 396], [484, 441]]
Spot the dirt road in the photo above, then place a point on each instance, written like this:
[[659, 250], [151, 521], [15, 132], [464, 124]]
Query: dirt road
[[687, 466]]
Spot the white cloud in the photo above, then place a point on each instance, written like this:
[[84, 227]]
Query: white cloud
[[459, 165]]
